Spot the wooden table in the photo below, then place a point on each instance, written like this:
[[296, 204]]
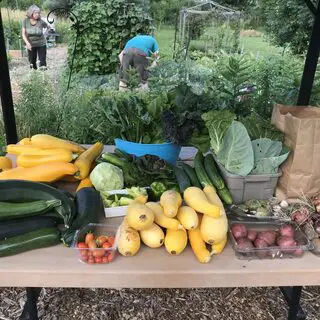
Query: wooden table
[[154, 268]]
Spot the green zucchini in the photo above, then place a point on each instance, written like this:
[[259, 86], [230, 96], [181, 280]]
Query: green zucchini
[[182, 179], [191, 174], [67, 237], [90, 208], [32, 240], [25, 191], [212, 172], [200, 171], [13, 228], [16, 210], [225, 195]]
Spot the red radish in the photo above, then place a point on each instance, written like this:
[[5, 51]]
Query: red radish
[[298, 252], [287, 230], [260, 243], [300, 216], [244, 244], [239, 230], [317, 227], [252, 235], [268, 236], [285, 242]]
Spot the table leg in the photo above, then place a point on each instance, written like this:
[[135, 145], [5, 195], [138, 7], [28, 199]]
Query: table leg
[[292, 296], [30, 311]]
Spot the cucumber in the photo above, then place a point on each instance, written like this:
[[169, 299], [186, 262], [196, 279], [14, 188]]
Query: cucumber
[[45, 237], [225, 195], [67, 237], [182, 179], [24, 191], [200, 171], [15, 228], [212, 172], [15, 210], [191, 174]]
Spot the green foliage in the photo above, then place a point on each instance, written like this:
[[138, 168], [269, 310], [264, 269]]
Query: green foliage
[[289, 23], [53, 4], [12, 34], [105, 26], [37, 110], [22, 4]]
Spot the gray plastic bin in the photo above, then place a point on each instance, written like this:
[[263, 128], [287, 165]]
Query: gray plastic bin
[[255, 186]]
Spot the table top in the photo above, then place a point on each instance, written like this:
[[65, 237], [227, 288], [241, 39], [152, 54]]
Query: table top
[[154, 268]]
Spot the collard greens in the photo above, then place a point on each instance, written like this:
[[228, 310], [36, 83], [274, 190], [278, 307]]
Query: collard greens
[[217, 122], [268, 155], [236, 152]]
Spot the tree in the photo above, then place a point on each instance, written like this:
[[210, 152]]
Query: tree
[[288, 23]]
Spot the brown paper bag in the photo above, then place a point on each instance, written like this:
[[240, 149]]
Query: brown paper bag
[[301, 171]]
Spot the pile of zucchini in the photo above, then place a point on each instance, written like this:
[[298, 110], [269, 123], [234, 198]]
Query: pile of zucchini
[[204, 173], [29, 215]]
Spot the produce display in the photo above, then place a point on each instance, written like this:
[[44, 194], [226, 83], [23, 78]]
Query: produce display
[[268, 240], [96, 244], [172, 224], [165, 205]]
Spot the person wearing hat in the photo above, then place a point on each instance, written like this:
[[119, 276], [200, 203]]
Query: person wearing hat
[[137, 53], [32, 35]]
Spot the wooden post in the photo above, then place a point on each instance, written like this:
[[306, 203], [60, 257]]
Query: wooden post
[[310, 63], [5, 92]]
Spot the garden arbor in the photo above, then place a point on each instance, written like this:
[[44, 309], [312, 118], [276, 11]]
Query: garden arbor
[[203, 9], [306, 81]]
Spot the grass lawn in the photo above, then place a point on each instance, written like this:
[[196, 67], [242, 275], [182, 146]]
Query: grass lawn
[[254, 45]]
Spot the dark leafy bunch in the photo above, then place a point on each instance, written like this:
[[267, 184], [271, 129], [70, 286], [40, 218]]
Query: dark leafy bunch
[[104, 28]]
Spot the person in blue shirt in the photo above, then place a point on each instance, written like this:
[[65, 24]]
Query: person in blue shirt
[[137, 53]]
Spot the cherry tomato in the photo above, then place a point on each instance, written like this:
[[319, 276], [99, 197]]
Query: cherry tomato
[[98, 253], [84, 253], [92, 244], [82, 245], [105, 260], [111, 240], [98, 259], [101, 240], [90, 254], [110, 257], [91, 260], [106, 245], [89, 237], [84, 258]]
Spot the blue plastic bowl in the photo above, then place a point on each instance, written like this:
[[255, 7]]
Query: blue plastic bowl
[[166, 151]]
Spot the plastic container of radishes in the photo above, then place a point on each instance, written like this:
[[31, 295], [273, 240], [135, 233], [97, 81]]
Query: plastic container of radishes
[[274, 251]]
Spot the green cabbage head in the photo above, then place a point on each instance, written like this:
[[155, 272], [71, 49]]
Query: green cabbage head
[[106, 177]]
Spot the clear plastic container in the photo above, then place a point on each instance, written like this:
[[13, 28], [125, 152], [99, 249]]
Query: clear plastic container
[[272, 252], [105, 251]]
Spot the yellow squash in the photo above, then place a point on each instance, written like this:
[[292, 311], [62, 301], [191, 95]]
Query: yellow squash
[[129, 240], [17, 149], [199, 246], [196, 199], [25, 141], [29, 160], [46, 141], [48, 172], [218, 247], [188, 217], [175, 241], [162, 220], [87, 158], [85, 183], [139, 216], [170, 201], [214, 230], [152, 237], [5, 163]]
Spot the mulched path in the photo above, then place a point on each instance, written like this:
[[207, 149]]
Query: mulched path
[[159, 304]]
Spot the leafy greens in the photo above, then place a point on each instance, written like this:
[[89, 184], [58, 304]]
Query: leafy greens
[[236, 152]]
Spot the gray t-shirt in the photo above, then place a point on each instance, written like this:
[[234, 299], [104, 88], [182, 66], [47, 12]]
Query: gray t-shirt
[[34, 32]]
